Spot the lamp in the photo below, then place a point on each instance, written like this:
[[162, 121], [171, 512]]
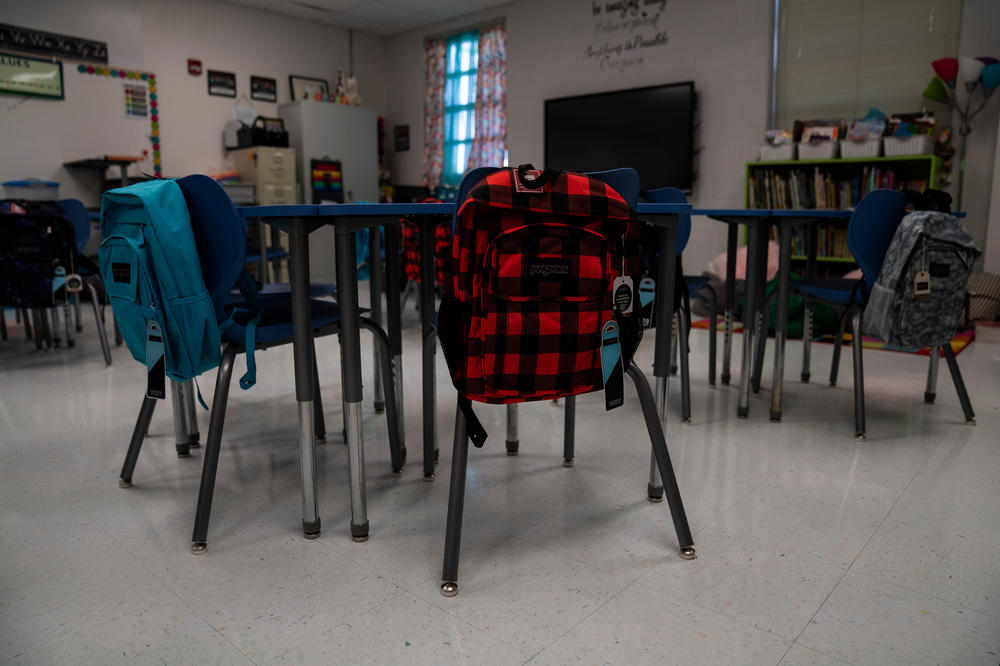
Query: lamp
[[991, 78], [947, 69], [936, 91], [971, 72]]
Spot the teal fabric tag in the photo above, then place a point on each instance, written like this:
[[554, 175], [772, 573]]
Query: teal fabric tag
[[611, 362]]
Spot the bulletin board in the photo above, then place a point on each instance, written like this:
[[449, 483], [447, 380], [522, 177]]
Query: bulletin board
[[95, 118]]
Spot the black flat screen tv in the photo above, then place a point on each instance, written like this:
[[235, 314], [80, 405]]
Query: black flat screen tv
[[649, 129]]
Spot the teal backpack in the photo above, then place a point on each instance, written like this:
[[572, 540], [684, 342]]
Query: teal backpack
[[152, 272]]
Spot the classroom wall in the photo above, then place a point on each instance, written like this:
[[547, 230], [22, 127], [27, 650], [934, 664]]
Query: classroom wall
[[722, 45], [160, 37]]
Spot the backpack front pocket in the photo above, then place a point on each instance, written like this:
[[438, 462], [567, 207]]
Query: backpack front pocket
[[127, 284], [546, 296]]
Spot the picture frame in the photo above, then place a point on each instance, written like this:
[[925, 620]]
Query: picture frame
[[307, 87], [263, 89], [221, 84]]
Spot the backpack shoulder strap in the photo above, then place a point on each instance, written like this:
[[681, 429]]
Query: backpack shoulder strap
[[248, 288]]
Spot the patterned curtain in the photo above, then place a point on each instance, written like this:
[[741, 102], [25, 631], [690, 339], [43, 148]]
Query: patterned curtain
[[491, 99], [434, 55]]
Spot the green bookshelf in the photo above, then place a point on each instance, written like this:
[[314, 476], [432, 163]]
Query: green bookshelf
[[832, 184]]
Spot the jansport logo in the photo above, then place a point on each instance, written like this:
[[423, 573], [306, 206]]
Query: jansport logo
[[548, 270]]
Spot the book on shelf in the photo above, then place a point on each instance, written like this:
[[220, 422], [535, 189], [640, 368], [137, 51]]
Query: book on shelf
[[818, 188]]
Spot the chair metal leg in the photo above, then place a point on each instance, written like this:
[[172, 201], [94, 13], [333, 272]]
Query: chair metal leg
[[191, 412], [930, 393], [859, 377], [3, 324], [654, 489], [53, 326], [456, 506], [837, 345], [393, 419], [713, 304], [319, 420], [39, 335], [807, 324], [569, 431], [684, 539], [956, 378], [43, 317], [727, 335], [68, 322], [178, 407], [76, 312], [199, 540], [102, 335], [673, 344], [22, 315], [513, 442], [138, 434], [683, 331]]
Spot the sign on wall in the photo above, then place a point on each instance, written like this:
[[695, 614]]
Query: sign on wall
[[21, 75], [26, 40], [625, 30], [136, 101]]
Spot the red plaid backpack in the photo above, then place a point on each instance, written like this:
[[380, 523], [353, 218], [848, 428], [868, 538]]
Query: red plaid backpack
[[534, 260]]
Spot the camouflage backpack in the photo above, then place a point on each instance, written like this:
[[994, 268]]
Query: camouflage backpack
[[920, 292]]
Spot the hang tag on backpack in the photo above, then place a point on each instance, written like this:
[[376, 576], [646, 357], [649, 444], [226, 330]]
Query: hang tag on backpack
[[74, 283], [529, 175], [647, 297], [611, 362], [922, 284], [156, 369], [623, 294]]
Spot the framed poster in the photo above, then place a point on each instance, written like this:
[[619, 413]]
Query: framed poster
[[304, 87], [264, 89], [21, 75], [222, 84]]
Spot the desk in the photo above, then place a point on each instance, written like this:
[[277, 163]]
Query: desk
[[299, 220]]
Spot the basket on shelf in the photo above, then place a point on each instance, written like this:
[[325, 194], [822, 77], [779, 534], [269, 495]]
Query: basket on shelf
[[865, 148], [917, 144], [785, 151], [817, 150]]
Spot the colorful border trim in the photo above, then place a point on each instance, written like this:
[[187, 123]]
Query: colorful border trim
[[154, 110]]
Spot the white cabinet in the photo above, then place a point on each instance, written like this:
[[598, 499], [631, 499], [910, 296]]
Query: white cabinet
[[321, 130]]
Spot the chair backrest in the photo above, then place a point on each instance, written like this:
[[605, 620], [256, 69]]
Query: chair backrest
[[624, 180], [469, 181], [220, 234], [78, 217], [871, 229], [672, 195]]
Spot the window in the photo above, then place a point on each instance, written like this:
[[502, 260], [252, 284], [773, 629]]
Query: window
[[462, 52]]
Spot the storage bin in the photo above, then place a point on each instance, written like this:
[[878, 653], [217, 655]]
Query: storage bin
[[31, 189], [785, 151], [918, 144], [820, 150], [866, 148]]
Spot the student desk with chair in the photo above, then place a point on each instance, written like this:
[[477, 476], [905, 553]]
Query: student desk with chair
[[299, 221]]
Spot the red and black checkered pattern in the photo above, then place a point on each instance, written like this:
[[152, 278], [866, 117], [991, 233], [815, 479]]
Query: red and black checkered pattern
[[522, 313], [411, 249]]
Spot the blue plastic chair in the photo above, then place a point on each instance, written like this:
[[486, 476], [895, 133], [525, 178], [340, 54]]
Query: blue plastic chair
[[77, 214], [220, 235], [869, 234], [626, 183], [693, 284]]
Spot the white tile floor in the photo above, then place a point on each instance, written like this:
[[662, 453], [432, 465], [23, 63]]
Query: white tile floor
[[813, 548]]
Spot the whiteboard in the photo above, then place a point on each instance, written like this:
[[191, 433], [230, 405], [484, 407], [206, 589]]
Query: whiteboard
[[37, 135]]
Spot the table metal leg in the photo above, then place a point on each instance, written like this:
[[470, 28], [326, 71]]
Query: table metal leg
[[394, 307], [781, 326], [350, 355], [302, 352], [807, 327], [664, 307], [727, 341], [513, 443], [930, 392], [375, 284], [749, 320], [428, 270]]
